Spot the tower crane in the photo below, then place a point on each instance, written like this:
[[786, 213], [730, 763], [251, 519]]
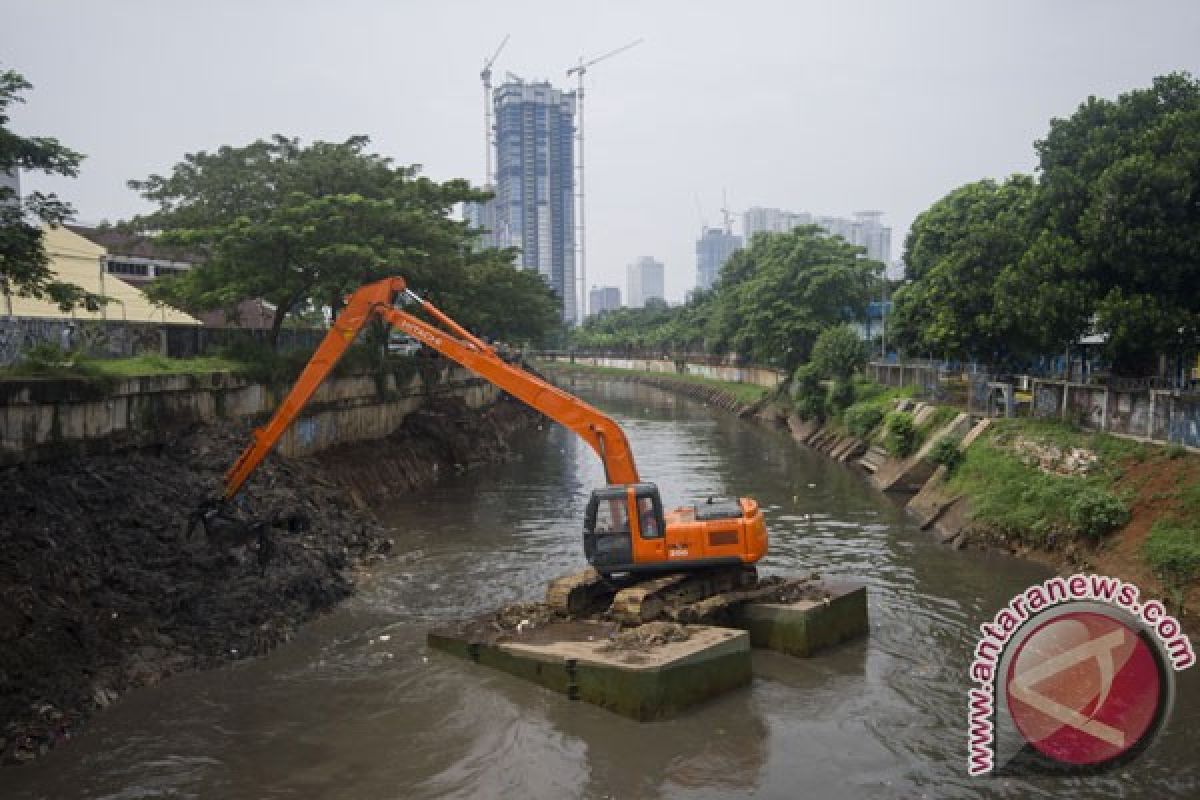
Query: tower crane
[[580, 70], [486, 76]]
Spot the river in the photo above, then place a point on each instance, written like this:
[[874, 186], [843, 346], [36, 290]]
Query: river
[[357, 707]]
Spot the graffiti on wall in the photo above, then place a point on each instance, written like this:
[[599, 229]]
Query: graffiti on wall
[[99, 338], [1184, 427]]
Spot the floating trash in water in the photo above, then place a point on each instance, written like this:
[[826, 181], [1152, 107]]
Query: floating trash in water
[[385, 637]]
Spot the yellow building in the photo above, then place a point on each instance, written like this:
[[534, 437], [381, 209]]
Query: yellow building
[[74, 259]]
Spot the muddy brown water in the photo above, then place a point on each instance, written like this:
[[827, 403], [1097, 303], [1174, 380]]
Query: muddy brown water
[[357, 707]]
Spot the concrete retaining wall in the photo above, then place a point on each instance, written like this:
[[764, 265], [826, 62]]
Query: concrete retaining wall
[[758, 376], [1160, 414], [44, 419]]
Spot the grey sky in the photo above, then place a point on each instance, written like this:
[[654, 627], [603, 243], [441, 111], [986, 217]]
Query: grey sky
[[827, 107]]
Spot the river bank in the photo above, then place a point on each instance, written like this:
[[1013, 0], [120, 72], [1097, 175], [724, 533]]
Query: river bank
[[105, 590], [1072, 499]]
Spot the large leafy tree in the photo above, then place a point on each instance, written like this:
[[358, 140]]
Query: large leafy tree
[[776, 296], [1118, 220], [303, 225], [24, 266], [958, 252]]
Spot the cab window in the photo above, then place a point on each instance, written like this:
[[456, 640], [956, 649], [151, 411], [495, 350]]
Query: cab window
[[612, 516], [648, 519]]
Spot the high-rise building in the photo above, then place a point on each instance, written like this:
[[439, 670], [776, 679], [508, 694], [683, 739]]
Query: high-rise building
[[870, 233], [772, 220], [713, 249], [535, 186], [644, 280], [603, 298], [865, 230]]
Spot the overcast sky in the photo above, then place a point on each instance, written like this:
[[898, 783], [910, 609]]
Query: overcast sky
[[828, 107]]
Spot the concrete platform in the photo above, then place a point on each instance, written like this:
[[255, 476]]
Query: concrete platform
[[645, 683], [806, 627]]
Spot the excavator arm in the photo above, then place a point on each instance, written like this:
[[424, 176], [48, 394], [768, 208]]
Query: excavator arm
[[456, 343]]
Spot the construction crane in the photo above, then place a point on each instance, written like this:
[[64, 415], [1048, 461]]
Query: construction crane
[[580, 70], [485, 75], [726, 214]]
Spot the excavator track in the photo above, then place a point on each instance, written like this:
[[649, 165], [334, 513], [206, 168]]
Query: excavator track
[[650, 599], [580, 593]]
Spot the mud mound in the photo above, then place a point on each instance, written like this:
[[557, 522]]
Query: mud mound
[[104, 589]]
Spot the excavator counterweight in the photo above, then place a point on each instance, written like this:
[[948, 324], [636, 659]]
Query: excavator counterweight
[[626, 530]]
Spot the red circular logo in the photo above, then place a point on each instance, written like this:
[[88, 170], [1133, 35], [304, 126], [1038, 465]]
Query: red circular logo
[[1084, 688]]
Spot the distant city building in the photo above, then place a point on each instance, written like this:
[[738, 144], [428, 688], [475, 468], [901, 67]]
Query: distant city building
[[772, 220], [865, 230], [482, 217], [534, 207], [644, 280], [603, 298], [713, 249]]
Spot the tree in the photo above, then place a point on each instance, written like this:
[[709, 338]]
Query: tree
[[776, 296], [305, 225], [963, 255], [1118, 220], [24, 265], [838, 353]]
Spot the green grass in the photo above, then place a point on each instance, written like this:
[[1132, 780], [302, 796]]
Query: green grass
[[115, 368], [746, 393], [1173, 550], [161, 365], [1029, 505]]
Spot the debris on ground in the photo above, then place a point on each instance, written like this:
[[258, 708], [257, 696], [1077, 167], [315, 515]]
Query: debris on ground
[[647, 637]]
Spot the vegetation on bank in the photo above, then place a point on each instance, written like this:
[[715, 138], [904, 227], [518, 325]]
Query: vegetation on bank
[[1006, 474]]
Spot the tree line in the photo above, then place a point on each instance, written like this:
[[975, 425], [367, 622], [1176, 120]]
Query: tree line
[[1103, 240], [297, 225], [771, 301]]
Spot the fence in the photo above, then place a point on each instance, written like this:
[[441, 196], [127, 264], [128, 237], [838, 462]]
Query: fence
[[1162, 415]]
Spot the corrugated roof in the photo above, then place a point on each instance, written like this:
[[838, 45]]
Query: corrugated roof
[[76, 260]]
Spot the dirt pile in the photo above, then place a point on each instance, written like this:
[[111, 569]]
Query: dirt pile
[[104, 589], [647, 637]]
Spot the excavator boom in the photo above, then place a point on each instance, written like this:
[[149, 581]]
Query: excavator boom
[[459, 345]]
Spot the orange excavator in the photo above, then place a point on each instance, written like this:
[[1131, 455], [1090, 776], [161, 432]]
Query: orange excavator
[[626, 531]]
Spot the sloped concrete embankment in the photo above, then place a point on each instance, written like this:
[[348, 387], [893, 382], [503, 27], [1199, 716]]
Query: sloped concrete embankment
[[105, 589], [932, 502]]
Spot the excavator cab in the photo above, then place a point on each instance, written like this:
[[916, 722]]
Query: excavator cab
[[617, 518]]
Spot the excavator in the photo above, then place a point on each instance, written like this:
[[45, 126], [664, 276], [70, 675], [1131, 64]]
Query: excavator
[[639, 555]]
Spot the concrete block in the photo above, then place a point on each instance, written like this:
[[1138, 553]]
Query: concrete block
[[806, 627], [643, 684], [975, 432]]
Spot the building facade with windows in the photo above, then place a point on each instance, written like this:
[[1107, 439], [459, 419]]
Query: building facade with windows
[[713, 249], [866, 229], [603, 298], [644, 280], [534, 206]]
